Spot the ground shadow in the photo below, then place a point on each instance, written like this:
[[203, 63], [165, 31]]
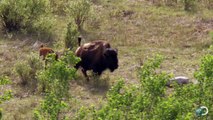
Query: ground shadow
[[96, 84]]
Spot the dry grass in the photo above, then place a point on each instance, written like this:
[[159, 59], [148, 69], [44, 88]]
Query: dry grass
[[138, 30], [20, 108]]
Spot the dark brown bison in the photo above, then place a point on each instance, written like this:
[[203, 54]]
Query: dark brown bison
[[96, 56]]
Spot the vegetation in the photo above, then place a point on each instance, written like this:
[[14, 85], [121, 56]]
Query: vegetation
[[176, 32], [79, 12], [55, 82], [26, 16], [148, 100], [7, 95], [71, 36], [28, 69]]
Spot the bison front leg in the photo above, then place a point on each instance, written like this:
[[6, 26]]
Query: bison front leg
[[85, 73]]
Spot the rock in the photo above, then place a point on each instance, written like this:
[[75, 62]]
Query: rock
[[180, 81]]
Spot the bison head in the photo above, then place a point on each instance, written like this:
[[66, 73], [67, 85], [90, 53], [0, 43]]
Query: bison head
[[111, 58]]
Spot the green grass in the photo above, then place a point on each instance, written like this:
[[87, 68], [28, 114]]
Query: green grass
[[182, 38]]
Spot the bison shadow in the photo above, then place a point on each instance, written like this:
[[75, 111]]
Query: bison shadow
[[97, 84]]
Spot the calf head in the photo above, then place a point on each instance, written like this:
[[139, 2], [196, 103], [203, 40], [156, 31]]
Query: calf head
[[111, 58]]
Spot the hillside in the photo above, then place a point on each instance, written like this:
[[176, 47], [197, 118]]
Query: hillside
[[137, 28]]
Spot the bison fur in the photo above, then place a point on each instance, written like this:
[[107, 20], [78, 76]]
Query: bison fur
[[97, 56]]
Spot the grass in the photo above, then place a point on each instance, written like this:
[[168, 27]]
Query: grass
[[20, 108], [182, 38]]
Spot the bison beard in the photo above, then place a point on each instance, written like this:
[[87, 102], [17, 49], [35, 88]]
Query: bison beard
[[96, 56]]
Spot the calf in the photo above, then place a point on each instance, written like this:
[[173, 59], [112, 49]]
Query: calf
[[44, 51]]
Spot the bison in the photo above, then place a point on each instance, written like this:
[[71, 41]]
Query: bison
[[96, 56]]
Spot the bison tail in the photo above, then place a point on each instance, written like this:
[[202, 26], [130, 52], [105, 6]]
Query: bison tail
[[79, 41]]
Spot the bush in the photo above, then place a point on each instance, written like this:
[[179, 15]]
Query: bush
[[148, 100], [135, 101], [6, 95], [25, 15], [50, 108], [59, 6], [23, 71], [79, 11], [55, 81], [204, 77], [43, 28], [27, 70], [4, 80], [71, 36]]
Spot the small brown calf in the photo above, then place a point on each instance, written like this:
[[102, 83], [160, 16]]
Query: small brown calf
[[44, 51]]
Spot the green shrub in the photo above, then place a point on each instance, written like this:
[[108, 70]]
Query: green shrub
[[43, 28], [79, 11], [55, 82], [180, 104], [58, 82], [27, 70], [71, 36], [26, 16], [135, 101], [23, 71], [34, 62], [6, 95], [59, 6], [4, 80], [204, 77], [82, 113], [148, 100], [151, 82], [50, 108]]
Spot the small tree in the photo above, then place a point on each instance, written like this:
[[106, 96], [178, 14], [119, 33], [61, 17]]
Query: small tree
[[56, 80], [71, 36], [79, 11]]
